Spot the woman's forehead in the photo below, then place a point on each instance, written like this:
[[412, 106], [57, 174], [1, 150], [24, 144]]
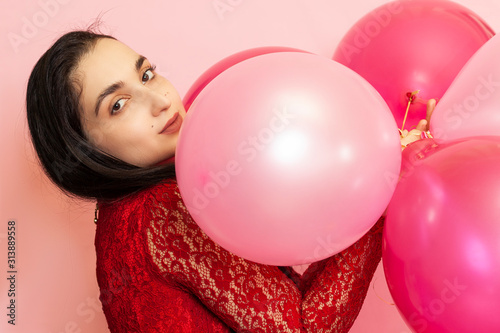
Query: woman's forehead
[[109, 62], [109, 53]]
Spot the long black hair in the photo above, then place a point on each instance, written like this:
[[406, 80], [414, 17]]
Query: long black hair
[[54, 120]]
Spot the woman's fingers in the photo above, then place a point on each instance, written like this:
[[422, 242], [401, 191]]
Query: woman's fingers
[[431, 104], [422, 125]]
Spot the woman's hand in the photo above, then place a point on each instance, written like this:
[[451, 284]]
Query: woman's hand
[[422, 127]]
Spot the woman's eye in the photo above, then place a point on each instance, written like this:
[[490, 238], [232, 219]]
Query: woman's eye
[[148, 75], [117, 106]]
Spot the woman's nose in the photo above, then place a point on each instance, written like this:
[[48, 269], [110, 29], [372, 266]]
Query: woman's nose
[[160, 101]]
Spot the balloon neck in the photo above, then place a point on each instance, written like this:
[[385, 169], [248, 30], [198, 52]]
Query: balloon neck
[[412, 96]]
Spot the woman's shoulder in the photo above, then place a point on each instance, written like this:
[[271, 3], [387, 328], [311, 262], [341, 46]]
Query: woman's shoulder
[[126, 225], [133, 211]]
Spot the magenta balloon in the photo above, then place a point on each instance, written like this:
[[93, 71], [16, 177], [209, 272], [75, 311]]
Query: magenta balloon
[[442, 238], [283, 157], [404, 46], [471, 106], [224, 64]]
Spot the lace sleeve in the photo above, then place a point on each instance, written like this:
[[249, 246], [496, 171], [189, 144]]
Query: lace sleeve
[[248, 297], [335, 293]]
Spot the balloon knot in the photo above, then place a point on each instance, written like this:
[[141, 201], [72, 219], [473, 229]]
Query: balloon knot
[[412, 96]]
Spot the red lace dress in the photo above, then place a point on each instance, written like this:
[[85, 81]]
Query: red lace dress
[[158, 272]]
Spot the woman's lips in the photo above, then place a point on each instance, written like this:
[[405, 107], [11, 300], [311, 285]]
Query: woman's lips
[[173, 124]]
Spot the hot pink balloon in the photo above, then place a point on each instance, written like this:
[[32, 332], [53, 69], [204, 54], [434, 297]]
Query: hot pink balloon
[[412, 157], [471, 106], [442, 238], [405, 46], [224, 64], [282, 158]]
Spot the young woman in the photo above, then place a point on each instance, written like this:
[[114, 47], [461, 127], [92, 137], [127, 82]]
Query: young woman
[[103, 123]]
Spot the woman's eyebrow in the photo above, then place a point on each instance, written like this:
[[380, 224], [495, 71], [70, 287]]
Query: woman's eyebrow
[[115, 86], [108, 91], [139, 62]]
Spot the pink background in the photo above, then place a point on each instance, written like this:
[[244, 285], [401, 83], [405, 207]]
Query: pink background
[[56, 286]]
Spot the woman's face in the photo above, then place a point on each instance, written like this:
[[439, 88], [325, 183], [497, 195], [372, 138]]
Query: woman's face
[[129, 111]]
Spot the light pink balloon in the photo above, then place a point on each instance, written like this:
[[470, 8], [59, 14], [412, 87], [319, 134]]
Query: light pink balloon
[[471, 106], [442, 237], [283, 158], [405, 46], [224, 64]]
